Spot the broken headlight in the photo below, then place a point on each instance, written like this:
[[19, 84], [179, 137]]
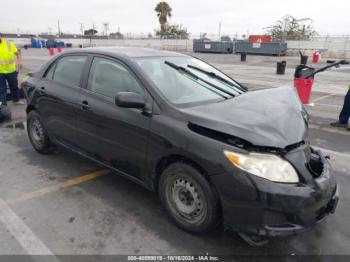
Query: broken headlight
[[271, 167]]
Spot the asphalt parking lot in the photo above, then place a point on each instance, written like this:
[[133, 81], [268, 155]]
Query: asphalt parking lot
[[64, 204]]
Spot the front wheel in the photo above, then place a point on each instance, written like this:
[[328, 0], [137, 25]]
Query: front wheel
[[37, 134], [189, 199]]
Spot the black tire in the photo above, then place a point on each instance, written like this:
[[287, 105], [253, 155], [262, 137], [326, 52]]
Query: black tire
[[37, 134], [191, 202]]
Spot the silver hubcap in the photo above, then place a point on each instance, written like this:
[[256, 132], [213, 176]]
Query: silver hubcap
[[37, 133], [187, 200]]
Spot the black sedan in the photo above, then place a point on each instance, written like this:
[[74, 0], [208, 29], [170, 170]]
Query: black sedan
[[213, 151]]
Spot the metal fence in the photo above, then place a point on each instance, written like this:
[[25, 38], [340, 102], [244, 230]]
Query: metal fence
[[329, 46]]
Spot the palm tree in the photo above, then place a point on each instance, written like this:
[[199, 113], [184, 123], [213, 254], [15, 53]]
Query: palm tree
[[163, 10]]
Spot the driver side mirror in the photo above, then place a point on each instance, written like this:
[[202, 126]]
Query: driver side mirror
[[130, 100]]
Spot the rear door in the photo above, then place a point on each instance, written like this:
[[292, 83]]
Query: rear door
[[114, 135], [57, 98]]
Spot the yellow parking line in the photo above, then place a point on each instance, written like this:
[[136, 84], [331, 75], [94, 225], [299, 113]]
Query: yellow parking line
[[57, 187]]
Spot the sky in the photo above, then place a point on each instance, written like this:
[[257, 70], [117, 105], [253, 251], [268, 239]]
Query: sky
[[138, 16]]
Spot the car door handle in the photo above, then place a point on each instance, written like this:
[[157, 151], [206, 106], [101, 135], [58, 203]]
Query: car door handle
[[85, 106]]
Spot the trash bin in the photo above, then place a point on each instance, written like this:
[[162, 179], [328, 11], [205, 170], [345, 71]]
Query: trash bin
[[281, 67], [303, 59], [243, 57]]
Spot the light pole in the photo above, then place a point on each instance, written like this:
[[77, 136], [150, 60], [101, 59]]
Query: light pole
[[106, 28], [82, 28]]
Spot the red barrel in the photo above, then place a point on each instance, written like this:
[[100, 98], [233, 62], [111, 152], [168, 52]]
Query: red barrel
[[316, 57], [59, 49], [304, 88], [51, 51]]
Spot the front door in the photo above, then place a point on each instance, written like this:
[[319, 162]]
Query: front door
[[111, 134]]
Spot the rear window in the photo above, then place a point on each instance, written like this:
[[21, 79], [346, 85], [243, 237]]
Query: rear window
[[67, 70]]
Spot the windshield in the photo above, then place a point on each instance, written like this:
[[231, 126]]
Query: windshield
[[188, 81]]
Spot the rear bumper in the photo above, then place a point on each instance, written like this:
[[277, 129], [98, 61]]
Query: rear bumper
[[279, 209]]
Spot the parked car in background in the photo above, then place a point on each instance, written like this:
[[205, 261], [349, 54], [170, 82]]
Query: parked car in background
[[213, 151]]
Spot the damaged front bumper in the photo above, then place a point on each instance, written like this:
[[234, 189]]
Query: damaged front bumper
[[277, 209], [301, 221]]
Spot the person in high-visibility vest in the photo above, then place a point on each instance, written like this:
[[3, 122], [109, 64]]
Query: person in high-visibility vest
[[8, 70], [344, 116]]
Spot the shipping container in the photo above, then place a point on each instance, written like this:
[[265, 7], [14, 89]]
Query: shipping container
[[279, 49], [207, 46], [260, 39]]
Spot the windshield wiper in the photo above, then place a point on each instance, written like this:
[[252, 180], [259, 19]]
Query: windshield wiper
[[181, 68], [214, 75]]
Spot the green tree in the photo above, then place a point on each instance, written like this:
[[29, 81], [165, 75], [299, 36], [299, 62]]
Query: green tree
[[163, 11], [117, 35], [90, 32], [173, 31], [203, 36], [291, 28], [226, 38]]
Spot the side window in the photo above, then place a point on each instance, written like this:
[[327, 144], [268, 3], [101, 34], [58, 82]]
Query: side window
[[68, 70], [108, 78], [49, 73]]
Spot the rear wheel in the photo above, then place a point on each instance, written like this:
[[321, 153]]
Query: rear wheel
[[37, 134], [189, 199]]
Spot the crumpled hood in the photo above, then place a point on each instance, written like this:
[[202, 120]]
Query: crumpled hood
[[269, 117]]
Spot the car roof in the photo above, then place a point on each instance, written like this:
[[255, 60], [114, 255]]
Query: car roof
[[131, 52]]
